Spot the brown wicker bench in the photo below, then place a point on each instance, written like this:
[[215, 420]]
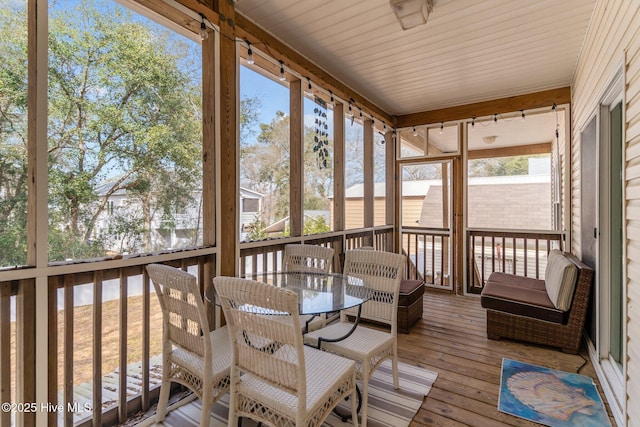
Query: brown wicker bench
[[519, 308]]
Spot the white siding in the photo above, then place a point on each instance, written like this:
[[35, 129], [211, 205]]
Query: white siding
[[613, 41], [632, 129]]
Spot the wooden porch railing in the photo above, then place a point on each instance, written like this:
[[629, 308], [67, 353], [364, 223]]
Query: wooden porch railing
[[17, 350], [519, 252], [266, 255], [427, 252], [122, 335], [104, 319]]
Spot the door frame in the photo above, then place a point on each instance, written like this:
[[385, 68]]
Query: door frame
[[612, 381], [613, 375], [451, 205]]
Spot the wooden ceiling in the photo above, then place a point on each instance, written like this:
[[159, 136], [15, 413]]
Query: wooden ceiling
[[469, 51]]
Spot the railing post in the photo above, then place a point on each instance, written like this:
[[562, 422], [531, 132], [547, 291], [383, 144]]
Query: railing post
[[5, 345]]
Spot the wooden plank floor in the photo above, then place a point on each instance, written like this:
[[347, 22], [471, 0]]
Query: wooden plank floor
[[451, 340]]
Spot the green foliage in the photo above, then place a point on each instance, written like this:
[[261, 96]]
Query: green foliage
[[501, 166], [256, 230], [124, 115], [123, 103], [13, 134], [316, 225]]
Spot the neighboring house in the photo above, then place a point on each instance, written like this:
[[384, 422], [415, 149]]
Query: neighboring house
[[120, 224], [505, 202]]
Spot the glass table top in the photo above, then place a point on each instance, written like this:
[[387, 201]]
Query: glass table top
[[317, 292]]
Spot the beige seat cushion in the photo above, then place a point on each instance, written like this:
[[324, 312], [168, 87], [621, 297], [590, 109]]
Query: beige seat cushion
[[560, 280]]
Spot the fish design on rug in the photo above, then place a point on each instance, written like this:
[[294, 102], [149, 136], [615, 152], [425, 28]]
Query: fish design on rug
[[547, 394]]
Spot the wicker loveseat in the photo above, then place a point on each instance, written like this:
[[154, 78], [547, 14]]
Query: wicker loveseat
[[521, 308]]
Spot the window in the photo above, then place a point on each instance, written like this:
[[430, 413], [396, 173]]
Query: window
[[354, 173], [509, 183], [264, 153], [125, 124], [442, 140], [412, 142], [13, 134], [318, 165], [379, 178], [250, 205]]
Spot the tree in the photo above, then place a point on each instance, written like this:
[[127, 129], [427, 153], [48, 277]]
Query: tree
[[265, 167], [316, 225], [501, 166], [124, 110], [13, 134], [256, 230]]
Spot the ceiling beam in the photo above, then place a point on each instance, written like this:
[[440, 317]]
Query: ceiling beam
[[519, 150], [529, 101]]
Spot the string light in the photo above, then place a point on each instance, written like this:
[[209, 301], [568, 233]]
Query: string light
[[250, 60], [203, 28], [350, 112], [495, 119], [373, 123], [309, 91], [473, 122], [282, 76], [360, 113], [333, 103], [441, 128], [415, 132], [524, 118]]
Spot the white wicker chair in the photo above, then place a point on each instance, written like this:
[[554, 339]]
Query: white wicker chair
[[381, 271], [288, 384], [308, 259], [191, 355]]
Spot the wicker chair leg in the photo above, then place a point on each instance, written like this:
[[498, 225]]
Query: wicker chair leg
[[207, 404], [163, 400], [394, 364], [364, 400], [354, 408]]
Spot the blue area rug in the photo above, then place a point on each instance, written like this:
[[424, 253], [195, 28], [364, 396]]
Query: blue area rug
[[550, 397]]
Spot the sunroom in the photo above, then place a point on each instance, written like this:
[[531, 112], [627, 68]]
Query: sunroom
[[209, 134]]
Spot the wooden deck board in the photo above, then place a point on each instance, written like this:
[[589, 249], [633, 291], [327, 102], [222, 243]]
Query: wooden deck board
[[451, 340]]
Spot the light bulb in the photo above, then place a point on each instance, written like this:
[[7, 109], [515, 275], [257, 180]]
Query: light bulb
[[441, 128], [415, 132], [203, 29], [524, 118], [309, 91], [495, 119], [282, 76], [350, 113], [250, 60]]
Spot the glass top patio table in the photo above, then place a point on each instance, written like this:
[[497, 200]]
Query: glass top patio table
[[317, 292]]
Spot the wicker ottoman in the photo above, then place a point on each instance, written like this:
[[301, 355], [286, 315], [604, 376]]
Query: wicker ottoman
[[409, 304]]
